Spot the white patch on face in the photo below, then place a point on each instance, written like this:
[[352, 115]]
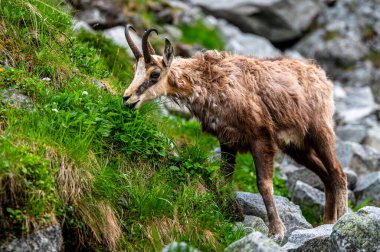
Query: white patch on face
[[137, 80]]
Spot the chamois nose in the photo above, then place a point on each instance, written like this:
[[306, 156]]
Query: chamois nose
[[125, 98]]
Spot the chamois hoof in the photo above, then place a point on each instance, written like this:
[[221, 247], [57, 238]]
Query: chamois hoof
[[277, 233]]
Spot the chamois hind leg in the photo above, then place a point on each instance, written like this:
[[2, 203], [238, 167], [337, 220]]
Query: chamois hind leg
[[306, 156], [263, 153], [324, 144]]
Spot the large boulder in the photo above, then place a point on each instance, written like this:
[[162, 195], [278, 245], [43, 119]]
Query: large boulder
[[368, 188], [256, 241], [308, 196], [276, 20], [357, 231], [311, 240], [290, 214], [45, 240]]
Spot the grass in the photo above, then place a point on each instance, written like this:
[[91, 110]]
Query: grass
[[199, 33], [113, 178]]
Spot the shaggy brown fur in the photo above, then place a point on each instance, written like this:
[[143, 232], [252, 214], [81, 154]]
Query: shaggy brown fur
[[259, 106]]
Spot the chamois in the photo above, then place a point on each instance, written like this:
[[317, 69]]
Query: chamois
[[250, 104]]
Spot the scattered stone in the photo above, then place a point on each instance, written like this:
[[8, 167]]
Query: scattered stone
[[99, 84], [352, 132], [361, 159], [307, 196], [255, 241], [311, 240], [48, 240], [80, 25], [290, 214], [368, 187], [275, 20], [357, 231], [373, 138], [358, 104], [346, 43], [305, 175], [179, 247], [254, 223]]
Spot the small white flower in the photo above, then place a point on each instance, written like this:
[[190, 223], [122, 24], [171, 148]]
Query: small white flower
[[55, 110], [47, 79], [84, 93]]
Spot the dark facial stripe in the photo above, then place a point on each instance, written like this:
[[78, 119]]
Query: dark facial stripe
[[145, 85]]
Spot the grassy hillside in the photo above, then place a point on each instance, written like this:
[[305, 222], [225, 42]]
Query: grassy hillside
[[113, 178]]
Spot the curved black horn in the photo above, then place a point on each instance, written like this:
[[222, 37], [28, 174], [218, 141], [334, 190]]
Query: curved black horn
[[146, 46], [131, 44]]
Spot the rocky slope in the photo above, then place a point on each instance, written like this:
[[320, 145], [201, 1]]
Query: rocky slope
[[344, 38]]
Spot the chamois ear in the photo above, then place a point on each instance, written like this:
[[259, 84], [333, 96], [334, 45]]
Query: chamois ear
[[168, 53]]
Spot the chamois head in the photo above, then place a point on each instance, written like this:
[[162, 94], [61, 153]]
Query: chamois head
[[151, 71]]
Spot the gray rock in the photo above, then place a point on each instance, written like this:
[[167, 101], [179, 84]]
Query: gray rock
[[14, 98], [357, 231], [116, 34], [373, 138], [346, 43], [305, 175], [352, 178], [368, 187], [275, 20], [256, 241], [352, 132], [243, 43], [290, 214], [311, 240], [179, 247], [45, 240], [100, 14], [254, 223], [358, 104], [99, 84], [361, 159], [293, 173], [309, 197], [80, 25]]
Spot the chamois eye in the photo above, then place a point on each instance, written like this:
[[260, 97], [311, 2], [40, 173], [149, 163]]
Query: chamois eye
[[155, 75]]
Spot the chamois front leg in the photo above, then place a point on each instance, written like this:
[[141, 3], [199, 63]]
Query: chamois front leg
[[263, 153], [228, 156]]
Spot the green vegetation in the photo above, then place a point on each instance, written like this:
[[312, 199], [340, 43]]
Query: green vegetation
[[330, 35], [374, 57], [113, 178], [199, 33]]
